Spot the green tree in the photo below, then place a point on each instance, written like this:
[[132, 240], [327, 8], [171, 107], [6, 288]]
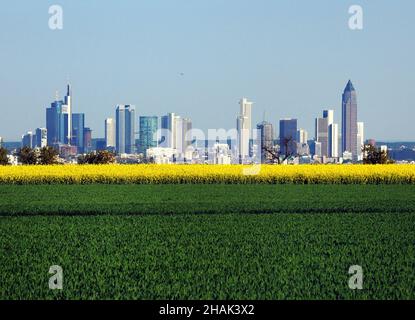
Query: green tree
[[100, 157], [48, 155], [373, 155], [4, 160], [27, 156]]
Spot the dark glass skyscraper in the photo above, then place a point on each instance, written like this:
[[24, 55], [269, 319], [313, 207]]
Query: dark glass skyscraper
[[78, 127], [288, 134], [148, 132], [349, 120], [56, 120]]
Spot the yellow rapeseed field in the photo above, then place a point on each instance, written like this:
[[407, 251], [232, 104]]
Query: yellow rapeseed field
[[157, 174]]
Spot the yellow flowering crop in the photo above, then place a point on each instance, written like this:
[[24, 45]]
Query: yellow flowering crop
[[157, 174]]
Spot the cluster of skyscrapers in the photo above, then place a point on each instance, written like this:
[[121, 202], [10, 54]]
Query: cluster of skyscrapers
[[172, 138]]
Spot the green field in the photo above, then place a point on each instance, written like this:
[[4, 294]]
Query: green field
[[207, 241]]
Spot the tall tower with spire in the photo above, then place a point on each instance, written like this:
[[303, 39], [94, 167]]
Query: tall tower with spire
[[68, 103], [349, 120]]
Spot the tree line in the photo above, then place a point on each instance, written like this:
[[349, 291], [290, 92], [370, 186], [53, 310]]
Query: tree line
[[50, 156]]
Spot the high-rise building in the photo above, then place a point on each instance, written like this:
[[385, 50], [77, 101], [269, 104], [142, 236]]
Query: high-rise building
[[27, 139], [183, 129], [41, 137], [109, 133], [168, 134], [288, 135], [327, 134], [68, 103], [302, 136], [322, 135], [360, 140], [266, 140], [349, 121], [1, 142], [147, 133], [59, 120], [78, 127], [334, 140], [125, 129], [243, 126], [87, 140]]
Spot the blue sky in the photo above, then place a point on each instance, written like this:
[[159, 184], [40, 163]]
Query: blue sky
[[291, 57]]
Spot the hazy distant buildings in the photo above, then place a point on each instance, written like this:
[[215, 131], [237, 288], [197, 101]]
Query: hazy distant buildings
[[109, 133], [147, 134], [266, 140], [125, 129], [243, 127], [288, 134], [221, 154], [1, 142], [349, 121]]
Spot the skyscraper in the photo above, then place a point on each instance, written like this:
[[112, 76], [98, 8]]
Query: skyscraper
[[27, 139], [288, 134], [327, 134], [243, 127], [1, 142], [322, 135], [87, 140], [109, 133], [360, 139], [183, 128], [302, 136], [78, 127], [334, 140], [125, 129], [147, 134], [68, 103], [266, 140], [168, 134], [41, 137], [59, 120], [349, 120]]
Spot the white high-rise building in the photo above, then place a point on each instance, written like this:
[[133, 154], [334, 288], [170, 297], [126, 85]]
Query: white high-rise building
[[109, 132], [302, 136], [333, 134], [41, 138], [243, 126], [334, 140], [182, 131], [360, 139], [1, 142], [68, 105]]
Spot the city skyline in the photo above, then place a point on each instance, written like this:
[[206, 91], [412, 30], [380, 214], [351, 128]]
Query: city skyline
[[296, 61]]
